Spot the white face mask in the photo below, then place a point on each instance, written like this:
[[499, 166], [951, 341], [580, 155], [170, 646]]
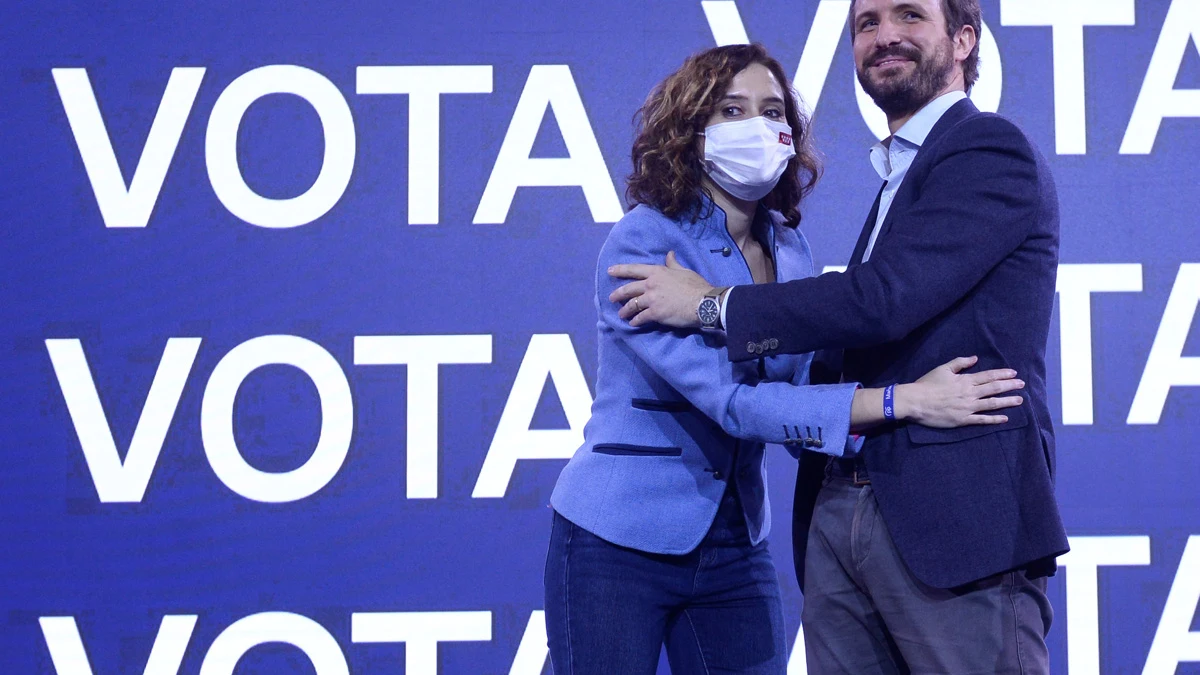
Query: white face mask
[[747, 157]]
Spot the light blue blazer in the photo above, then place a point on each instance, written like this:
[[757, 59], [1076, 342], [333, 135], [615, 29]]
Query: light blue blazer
[[673, 418]]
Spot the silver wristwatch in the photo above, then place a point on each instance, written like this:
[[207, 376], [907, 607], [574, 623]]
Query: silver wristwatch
[[709, 309]]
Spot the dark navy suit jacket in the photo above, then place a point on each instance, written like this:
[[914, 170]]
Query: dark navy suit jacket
[[965, 263]]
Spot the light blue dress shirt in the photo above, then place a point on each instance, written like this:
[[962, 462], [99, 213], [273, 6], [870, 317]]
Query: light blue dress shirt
[[892, 156]]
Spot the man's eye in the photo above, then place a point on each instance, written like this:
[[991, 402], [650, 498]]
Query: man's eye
[[911, 16], [866, 25]]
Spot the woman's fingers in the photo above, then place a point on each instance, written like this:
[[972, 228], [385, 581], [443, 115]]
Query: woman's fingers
[[1002, 402], [961, 363], [998, 387], [986, 419], [992, 375]]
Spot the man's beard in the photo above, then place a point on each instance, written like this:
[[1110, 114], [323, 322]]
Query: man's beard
[[899, 95]]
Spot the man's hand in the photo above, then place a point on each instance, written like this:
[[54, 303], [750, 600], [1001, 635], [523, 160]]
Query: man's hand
[[666, 295]]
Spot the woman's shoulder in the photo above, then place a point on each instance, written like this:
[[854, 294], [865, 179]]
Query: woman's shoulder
[[646, 228], [645, 218]]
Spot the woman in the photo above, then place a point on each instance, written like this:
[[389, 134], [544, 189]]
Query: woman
[[661, 516]]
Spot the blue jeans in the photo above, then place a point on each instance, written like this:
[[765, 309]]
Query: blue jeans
[[610, 609]]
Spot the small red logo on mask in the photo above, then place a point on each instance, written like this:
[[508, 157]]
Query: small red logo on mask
[[785, 138]]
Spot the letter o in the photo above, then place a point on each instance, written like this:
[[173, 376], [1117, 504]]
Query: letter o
[[220, 146], [985, 94], [298, 631], [337, 418]]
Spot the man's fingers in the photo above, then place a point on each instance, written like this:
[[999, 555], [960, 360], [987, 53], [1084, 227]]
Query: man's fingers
[[672, 262], [627, 292], [632, 270], [961, 363], [639, 319]]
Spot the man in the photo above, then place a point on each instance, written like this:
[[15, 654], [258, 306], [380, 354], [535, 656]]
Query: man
[[922, 550]]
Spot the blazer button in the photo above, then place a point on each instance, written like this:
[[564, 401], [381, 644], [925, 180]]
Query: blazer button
[[774, 344], [717, 475], [750, 347]]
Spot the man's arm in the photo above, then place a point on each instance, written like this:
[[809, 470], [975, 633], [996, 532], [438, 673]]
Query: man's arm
[[977, 205], [767, 412]]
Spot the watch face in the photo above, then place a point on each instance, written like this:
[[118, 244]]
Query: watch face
[[708, 311]]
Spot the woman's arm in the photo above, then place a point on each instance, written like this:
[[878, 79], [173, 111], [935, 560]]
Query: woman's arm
[[944, 397], [695, 364]]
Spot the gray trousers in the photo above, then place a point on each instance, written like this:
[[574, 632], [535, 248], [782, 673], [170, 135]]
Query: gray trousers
[[865, 613]]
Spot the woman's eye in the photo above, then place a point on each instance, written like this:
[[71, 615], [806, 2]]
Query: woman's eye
[[772, 114], [732, 111]]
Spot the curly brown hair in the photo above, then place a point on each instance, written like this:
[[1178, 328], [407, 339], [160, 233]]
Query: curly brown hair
[[667, 164]]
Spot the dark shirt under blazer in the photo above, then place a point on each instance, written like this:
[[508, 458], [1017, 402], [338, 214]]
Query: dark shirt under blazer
[[964, 264], [674, 419]]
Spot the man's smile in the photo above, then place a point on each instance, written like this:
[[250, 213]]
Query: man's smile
[[890, 61]]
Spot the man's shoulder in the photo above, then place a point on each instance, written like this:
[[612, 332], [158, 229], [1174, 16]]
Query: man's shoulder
[[979, 128]]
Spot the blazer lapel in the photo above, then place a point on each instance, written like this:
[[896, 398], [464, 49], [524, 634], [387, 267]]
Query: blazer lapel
[[828, 364], [865, 236], [957, 112]]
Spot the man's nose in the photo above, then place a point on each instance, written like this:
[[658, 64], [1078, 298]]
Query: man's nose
[[887, 34]]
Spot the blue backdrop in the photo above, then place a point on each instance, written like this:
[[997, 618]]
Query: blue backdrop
[[298, 328]]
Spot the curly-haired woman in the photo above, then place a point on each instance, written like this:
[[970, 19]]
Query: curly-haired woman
[[661, 517]]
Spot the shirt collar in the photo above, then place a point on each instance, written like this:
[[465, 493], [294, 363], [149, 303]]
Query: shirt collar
[[915, 130], [712, 220]]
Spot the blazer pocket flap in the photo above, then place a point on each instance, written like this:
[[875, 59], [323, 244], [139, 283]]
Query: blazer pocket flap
[[641, 450], [923, 435], [658, 405]]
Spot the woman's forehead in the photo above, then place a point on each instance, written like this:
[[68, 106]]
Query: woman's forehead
[[755, 80]]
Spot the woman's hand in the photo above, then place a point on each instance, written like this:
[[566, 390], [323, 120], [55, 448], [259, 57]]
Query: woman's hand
[[945, 397]]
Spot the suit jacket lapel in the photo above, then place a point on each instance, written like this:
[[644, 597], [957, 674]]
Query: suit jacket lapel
[[828, 364], [865, 236], [954, 115]]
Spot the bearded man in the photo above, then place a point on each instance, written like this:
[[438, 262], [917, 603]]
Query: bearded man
[[920, 550]]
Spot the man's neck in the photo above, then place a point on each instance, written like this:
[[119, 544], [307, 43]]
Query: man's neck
[[898, 122]]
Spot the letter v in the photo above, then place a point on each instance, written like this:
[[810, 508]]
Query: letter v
[[69, 657], [119, 206], [726, 25], [116, 480]]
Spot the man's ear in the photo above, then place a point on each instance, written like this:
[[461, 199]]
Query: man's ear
[[964, 42]]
